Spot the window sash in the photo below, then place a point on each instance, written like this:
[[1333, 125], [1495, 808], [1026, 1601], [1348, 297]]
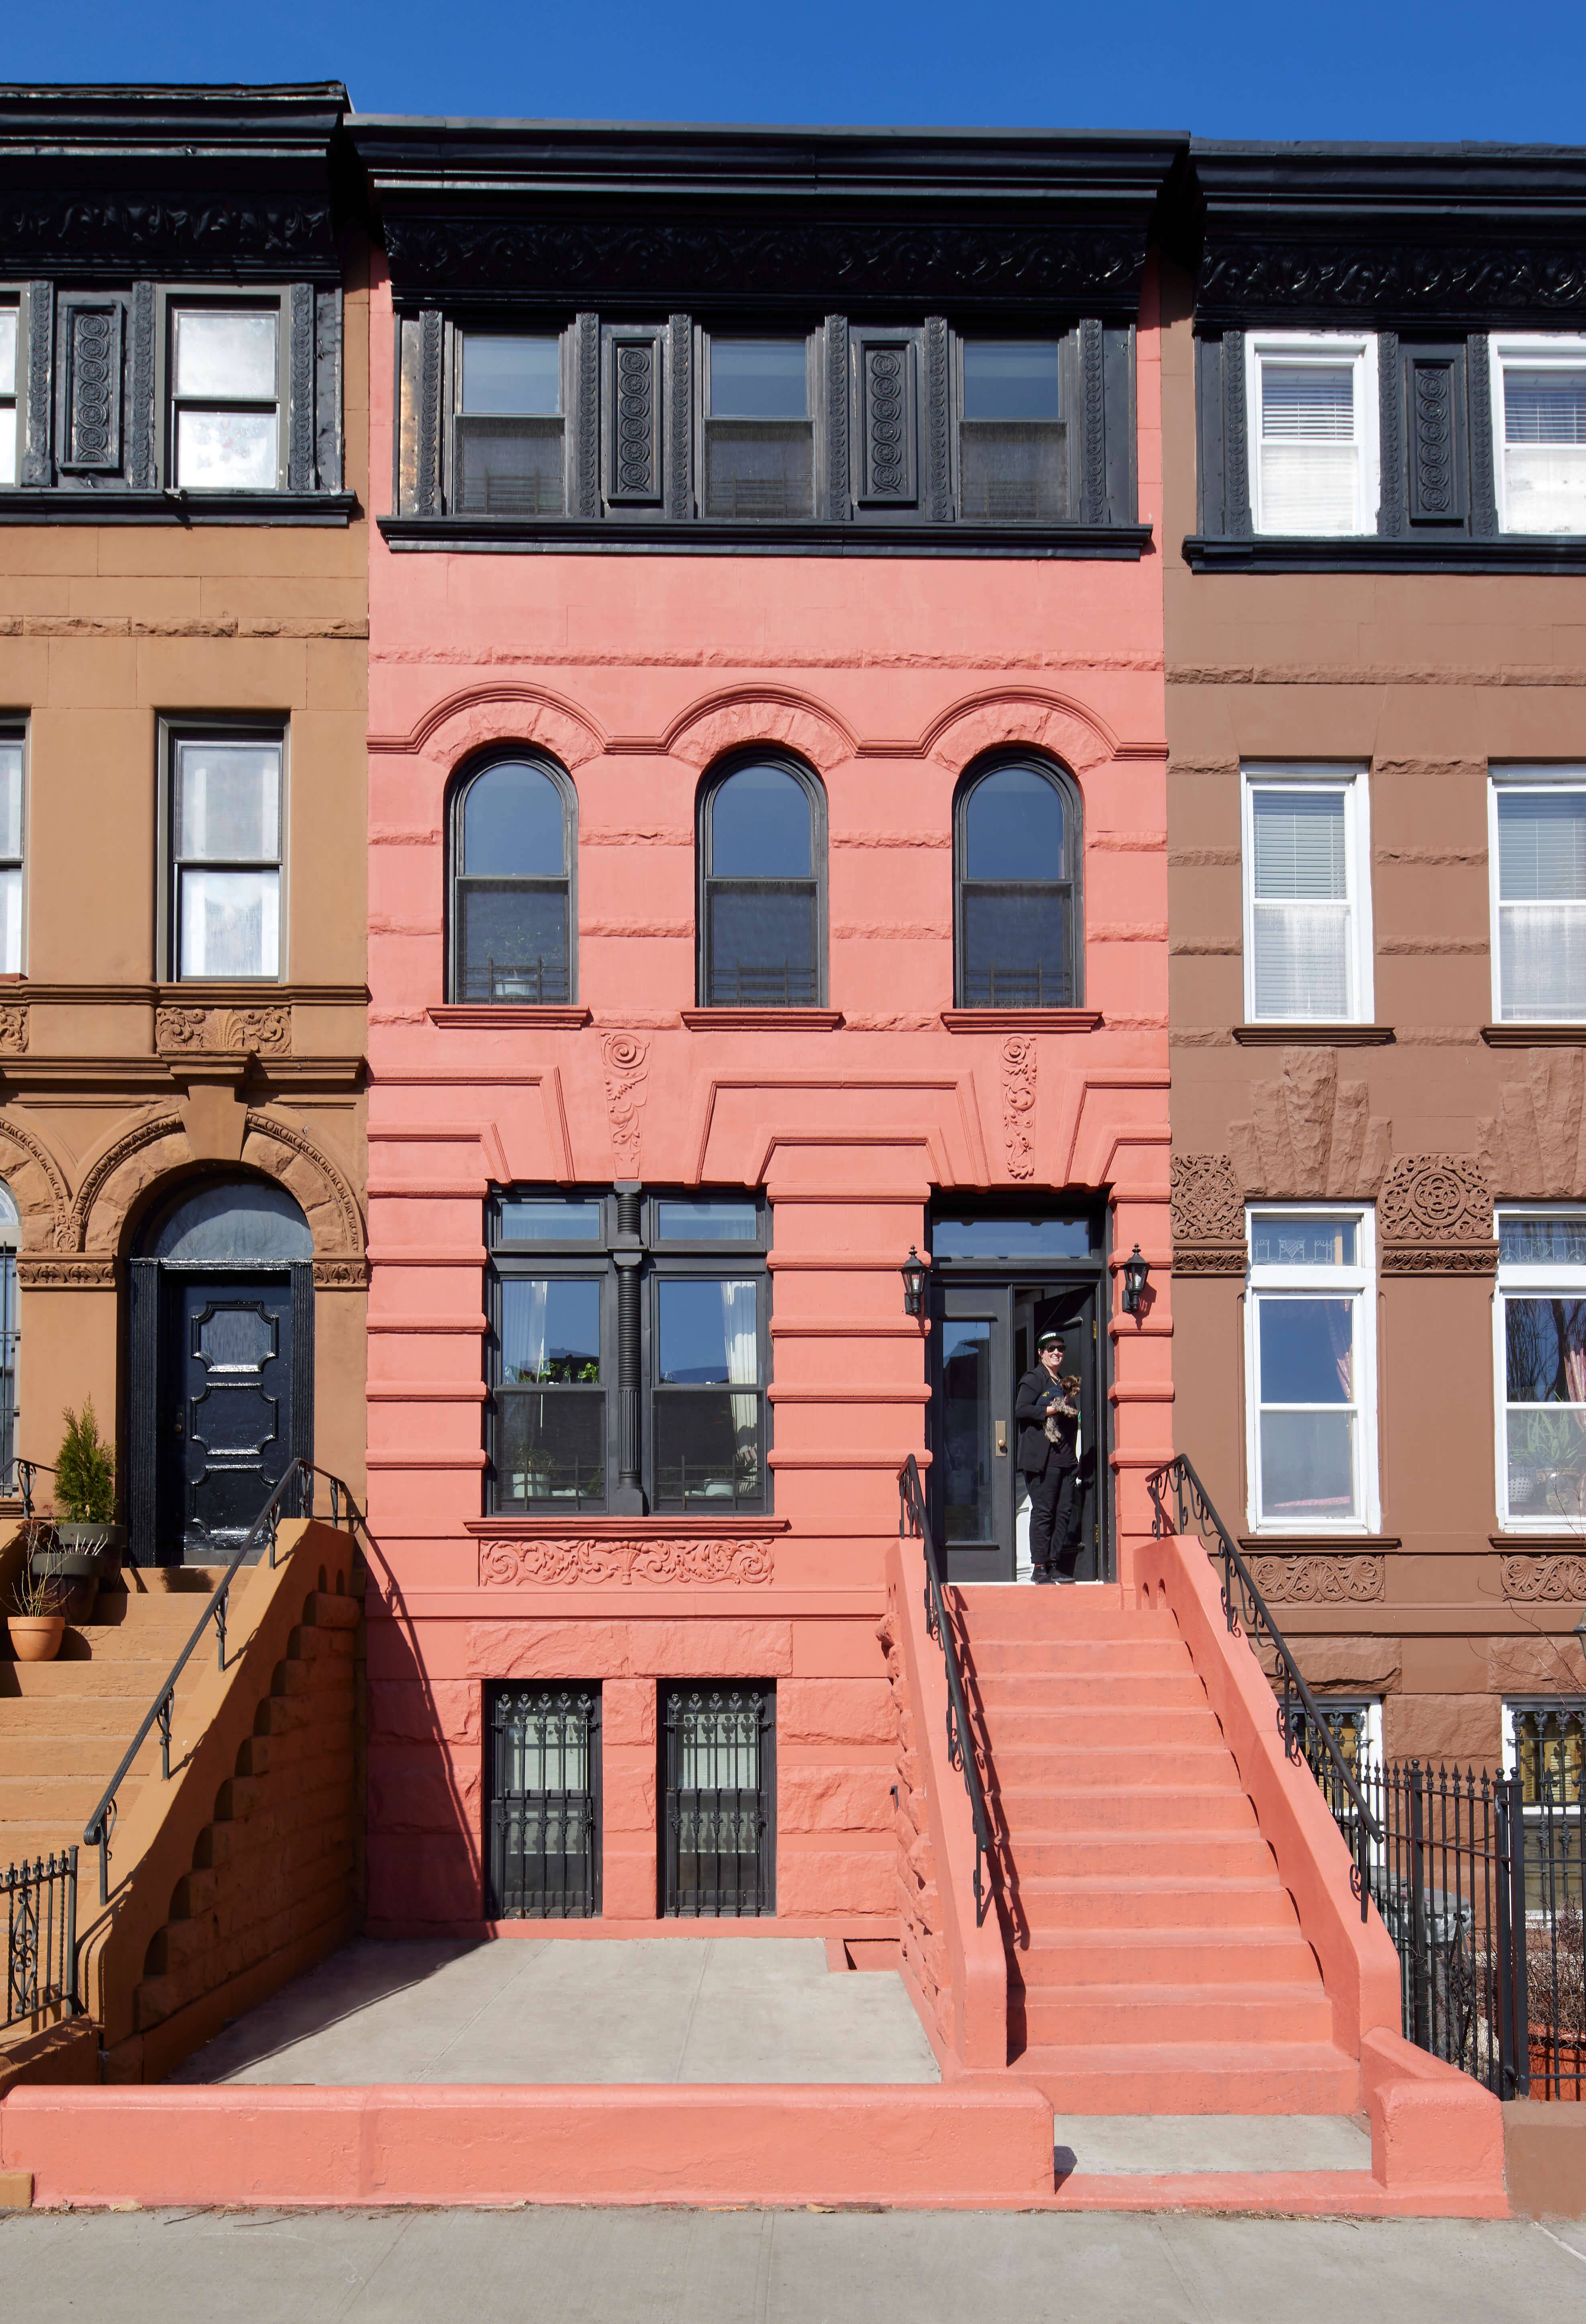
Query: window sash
[[1311, 477], [216, 900], [1307, 956], [1353, 1416], [266, 453], [1538, 941], [1541, 485], [1540, 1453]]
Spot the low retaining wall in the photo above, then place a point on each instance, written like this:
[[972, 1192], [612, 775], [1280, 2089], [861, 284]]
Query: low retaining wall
[[1545, 2158]]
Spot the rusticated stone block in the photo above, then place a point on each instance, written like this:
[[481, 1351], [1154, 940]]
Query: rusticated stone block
[[834, 1799], [627, 1712], [422, 1880], [628, 1790], [827, 1881], [414, 1791], [627, 1880], [406, 1711], [835, 1711]]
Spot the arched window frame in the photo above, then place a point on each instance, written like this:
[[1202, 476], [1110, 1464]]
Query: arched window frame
[[1068, 791], [507, 754], [715, 782]]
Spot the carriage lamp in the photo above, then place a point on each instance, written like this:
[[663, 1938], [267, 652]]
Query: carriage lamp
[[914, 1271], [1136, 1274]]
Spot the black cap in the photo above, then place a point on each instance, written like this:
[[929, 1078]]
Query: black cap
[[1051, 1339]]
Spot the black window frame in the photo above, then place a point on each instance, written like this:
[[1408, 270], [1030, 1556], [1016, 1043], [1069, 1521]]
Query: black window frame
[[13, 301], [170, 300], [499, 1694], [1067, 341], [673, 1903], [704, 334], [456, 877], [1068, 792], [645, 1258], [228, 727], [458, 331], [705, 880]]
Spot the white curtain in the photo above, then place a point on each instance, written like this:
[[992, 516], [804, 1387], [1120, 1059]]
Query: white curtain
[[1301, 909], [1542, 903], [1310, 460], [740, 1321], [523, 1319]]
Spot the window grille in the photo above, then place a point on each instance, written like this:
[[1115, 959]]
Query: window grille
[[545, 1803], [720, 1787]]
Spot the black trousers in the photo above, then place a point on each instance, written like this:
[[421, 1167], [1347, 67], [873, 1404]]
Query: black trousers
[[1053, 1515]]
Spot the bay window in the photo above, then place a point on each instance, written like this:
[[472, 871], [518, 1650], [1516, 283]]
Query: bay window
[[1310, 1346]]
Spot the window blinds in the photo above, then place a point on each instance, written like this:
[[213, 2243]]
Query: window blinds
[[1545, 448], [1542, 905], [1309, 455], [1300, 905]]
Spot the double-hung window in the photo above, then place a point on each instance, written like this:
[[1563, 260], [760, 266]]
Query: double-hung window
[[1539, 411], [1310, 1348], [1307, 896], [629, 1352], [1540, 1356], [514, 855], [509, 453], [759, 432], [9, 323], [762, 850], [1013, 431], [226, 365], [1536, 849], [13, 764], [225, 798], [1312, 399]]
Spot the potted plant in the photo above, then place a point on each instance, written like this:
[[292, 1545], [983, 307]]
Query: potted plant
[[85, 1544], [37, 1621]]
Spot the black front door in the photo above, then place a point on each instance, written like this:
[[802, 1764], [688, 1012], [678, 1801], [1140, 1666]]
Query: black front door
[[229, 1404]]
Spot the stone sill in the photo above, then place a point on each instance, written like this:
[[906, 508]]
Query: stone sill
[[601, 1528], [1534, 1037], [496, 1016], [1315, 1545], [1023, 1020], [50, 504], [1365, 553], [697, 537], [1315, 1037], [762, 1020]]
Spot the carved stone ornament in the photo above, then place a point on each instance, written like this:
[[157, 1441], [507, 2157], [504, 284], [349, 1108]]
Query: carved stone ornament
[[341, 1275], [1311, 1136], [152, 234], [1312, 1581], [1435, 1216], [51, 1274], [1019, 1103], [684, 1564], [1362, 277], [1534, 1144], [698, 256], [1549, 1580], [14, 1029], [265, 1031], [626, 1057], [1208, 1216]]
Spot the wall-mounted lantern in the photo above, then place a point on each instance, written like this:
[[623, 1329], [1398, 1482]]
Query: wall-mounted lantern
[[1136, 1274], [914, 1271]]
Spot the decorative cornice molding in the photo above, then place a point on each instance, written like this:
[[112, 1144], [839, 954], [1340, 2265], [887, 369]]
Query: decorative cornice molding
[[1422, 280], [1435, 1214], [1312, 1036], [1023, 1020], [73, 233], [558, 1562], [51, 1274]]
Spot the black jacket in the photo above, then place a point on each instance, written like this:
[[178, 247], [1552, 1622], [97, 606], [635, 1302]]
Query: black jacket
[[1035, 1391]]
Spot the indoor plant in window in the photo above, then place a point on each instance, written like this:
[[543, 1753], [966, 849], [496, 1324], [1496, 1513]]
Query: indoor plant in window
[[37, 1620], [85, 1543]]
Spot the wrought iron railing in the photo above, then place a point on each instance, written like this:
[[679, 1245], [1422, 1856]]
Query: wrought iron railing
[[296, 1487], [41, 1936], [26, 1470], [914, 1523], [1181, 1504]]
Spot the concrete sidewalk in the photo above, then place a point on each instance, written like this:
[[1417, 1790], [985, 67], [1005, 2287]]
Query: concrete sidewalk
[[553, 2010], [788, 2267]]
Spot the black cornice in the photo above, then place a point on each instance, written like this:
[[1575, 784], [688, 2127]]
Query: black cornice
[[1446, 237], [490, 210]]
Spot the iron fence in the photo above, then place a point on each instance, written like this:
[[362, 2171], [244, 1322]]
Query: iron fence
[[41, 1936]]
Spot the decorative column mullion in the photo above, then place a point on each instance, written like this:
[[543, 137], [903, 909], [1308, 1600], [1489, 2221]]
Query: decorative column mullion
[[628, 1499]]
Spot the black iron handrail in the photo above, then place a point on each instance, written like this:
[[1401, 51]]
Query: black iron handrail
[[27, 1471], [1298, 1716], [298, 1474], [914, 1523]]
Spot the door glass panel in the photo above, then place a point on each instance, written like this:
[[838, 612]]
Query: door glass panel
[[966, 1385], [236, 1340]]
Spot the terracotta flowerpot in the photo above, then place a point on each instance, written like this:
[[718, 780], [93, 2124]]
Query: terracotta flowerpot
[[1566, 2058], [36, 1637]]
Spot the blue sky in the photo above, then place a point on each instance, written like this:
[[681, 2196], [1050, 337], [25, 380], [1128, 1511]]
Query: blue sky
[[1385, 71]]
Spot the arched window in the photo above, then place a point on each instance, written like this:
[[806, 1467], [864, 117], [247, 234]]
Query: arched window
[[515, 849], [1017, 900], [762, 861]]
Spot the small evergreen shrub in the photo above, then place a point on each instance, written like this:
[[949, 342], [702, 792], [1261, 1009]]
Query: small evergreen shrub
[[85, 1470]]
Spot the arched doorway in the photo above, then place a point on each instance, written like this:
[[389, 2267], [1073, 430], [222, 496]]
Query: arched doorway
[[222, 1372]]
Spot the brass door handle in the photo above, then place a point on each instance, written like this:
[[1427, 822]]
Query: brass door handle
[[1002, 1438]]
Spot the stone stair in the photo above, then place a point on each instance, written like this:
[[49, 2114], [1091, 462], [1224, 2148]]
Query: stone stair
[[1156, 1963]]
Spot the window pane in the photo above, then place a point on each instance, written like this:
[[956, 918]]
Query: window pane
[[1006, 469], [707, 1450], [763, 469], [10, 799], [11, 922], [509, 372], [758, 379], [1014, 1238], [759, 827], [1547, 1464], [718, 1747], [1307, 1465], [1302, 961], [1541, 846], [706, 1222], [1308, 488], [1010, 380], [1299, 843], [706, 1333], [551, 1448], [220, 352], [513, 945], [1014, 827], [1545, 488], [7, 444], [1015, 948], [510, 467], [762, 951], [1546, 1343], [513, 826], [1542, 961], [225, 451], [7, 350], [230, 923], [549, 1221], [1307, 1351], [227, 806], [1301, 1243], [1541, 1242], [966, 1431], [1313, 403], [550, 1331], [1546, 406]]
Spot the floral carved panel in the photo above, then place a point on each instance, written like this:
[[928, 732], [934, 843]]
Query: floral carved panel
[[554, 1563], [266, 1031], [14, 1030], [1556, 1579], [1208, 1216], [1435, 1216], [1319, 1580], [1019, 1104], [626, 1058]]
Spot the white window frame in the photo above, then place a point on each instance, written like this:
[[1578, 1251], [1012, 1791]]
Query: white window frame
[[1358, 1282], [1521, 1282], [1519, 778], [15, 303], [1299, 347], [17, 730], [1535, 351], [1353, 782], [226, 727]]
